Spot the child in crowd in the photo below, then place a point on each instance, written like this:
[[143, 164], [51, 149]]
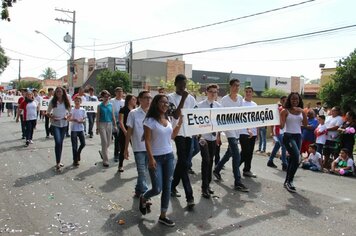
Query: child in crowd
[[343, 165], [314, 161], [77, 117], [320, 134]]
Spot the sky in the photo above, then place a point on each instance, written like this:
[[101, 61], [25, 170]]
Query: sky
[[103, 29]]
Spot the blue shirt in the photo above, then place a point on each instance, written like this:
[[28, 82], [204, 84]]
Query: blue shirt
[[105, 112], [308, 134]]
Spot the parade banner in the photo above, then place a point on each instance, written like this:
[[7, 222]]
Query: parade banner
[[207, 120], [9, 99], [88, 106]]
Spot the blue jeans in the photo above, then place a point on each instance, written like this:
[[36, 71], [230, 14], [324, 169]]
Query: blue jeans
[[277, 145], [292, 142], [233, 151], [310, 166], [161, 179], [30, 126], [91, 120], [58, 133], [141, 160], [74, 135], [262, 138]]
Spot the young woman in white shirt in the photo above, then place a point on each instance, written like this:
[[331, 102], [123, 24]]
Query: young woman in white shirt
[[158, 133]]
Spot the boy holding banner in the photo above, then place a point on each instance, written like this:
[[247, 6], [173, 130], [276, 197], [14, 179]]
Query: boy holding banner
[[232, 100], [208, 142]]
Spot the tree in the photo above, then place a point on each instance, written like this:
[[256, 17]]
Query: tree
[[4, 60], [49, 73], [273, 93], [26, 84], [109, 80], [4, 11], [341, 90]]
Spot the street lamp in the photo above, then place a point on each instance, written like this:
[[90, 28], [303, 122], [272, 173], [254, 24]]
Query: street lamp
[[38, 32], [69, 39]]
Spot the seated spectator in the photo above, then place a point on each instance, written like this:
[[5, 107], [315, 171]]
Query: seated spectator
[[343, 165], [314, 161]]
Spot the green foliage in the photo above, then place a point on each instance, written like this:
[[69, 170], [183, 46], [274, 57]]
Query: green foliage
[[26, 84], [48, 73], [4, 60], [192, 87], [4, 9], [273, 93], [109, 80], [341, 90]]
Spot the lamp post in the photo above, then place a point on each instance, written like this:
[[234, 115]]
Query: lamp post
[[38, 32]]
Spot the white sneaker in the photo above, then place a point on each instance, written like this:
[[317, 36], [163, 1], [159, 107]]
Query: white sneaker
[[31, 141]]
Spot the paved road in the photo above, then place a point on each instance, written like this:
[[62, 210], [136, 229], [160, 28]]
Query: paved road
[[90, 200]]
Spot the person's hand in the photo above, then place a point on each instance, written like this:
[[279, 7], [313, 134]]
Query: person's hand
[[152, 164], [185, 94], [17, 120]]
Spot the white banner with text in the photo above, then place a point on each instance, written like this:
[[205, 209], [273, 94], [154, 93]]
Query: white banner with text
[[207, 120]]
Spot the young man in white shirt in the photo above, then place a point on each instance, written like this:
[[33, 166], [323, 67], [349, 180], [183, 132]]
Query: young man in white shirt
[[208, 142], [248, 137], [117, 103], [91, 115], [178, 100], [135, 134], [232, 100]]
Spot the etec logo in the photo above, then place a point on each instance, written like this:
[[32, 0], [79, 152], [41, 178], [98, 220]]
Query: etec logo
[[193, 119]]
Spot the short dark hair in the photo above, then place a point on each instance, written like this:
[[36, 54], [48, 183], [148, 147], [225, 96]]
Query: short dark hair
[[233, 80], [143, 92], [313, 146], [322, 117], [104, 92], [212, 86], [283, 97], [248, 87], [179, 77], [318, 103]]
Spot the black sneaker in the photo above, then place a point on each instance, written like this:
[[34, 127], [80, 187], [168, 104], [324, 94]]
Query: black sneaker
[[290, 187], [166, 221], [191, 171], [175, 193], [241, 187], [217, 175], [142, 205], [210, 191], [271, 164], [27, 143], [190, 204], [205, 194]]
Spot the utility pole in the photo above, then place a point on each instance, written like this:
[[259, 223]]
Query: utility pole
[[19, 60], [130, 66], [71, 67]]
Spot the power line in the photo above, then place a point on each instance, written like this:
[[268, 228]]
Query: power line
[[208, 25], [310, 34], [41, 58]]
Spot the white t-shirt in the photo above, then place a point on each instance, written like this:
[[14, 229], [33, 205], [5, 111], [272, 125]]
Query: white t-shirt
[[206, 104], [315, 159], [160, 137], [135, 121], [226, 101], [249, 104], [322, 138], [59, 114], [31, 110], [332, 122], [38, 98], [174, 99], [78, 114], [117, 104]]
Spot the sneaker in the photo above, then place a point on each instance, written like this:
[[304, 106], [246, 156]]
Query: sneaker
[[205, 194], [217, 175], [27, 143], [290, 187], [120, 170], [142, 205], [241, 187], [249, 174], [90, 136], [191, 171], [166, 221], [106, 165], [175, 193], [75, 163], [271, 164], [190, 204], [210, 191], [31, 142]]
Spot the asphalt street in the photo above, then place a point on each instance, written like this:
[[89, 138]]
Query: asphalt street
[[92, 200]]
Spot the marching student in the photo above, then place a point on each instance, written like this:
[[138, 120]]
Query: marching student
[[77, 116]]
